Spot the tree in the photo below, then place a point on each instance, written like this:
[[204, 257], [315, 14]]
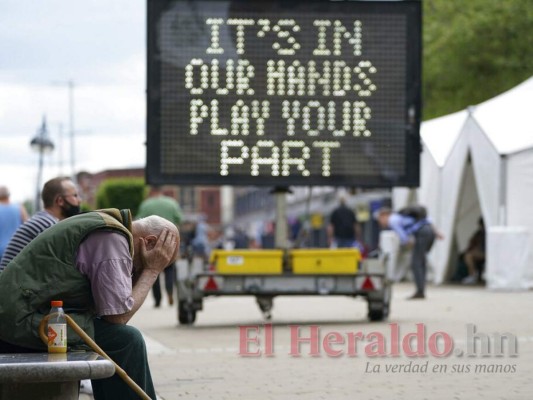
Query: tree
[[121, 193], [473, 50]]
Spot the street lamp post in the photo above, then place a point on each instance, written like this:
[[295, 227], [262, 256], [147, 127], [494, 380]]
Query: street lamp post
[[43, 145], [70, 85]]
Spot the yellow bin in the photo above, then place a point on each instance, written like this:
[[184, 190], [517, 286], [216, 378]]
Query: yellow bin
[[325, 261], [267, 262]]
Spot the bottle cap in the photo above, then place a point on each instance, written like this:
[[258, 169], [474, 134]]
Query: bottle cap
[[57, 303]]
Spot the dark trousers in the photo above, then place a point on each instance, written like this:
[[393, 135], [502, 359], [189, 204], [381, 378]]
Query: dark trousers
[[424, 239], [125, 345], [170, 276], [6, 347], [344, 243]]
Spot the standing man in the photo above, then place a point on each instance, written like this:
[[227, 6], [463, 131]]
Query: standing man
[[102, 266], [60, 199], [475, 254], [11, 217], [343, 229], [200, 241], [166, 207], [416, 232]]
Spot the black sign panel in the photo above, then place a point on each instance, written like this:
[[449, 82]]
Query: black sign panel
[[284, 92]]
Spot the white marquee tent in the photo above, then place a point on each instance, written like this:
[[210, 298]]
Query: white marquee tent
[[479, 162]]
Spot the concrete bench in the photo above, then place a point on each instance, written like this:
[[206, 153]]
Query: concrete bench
[[49, 376]]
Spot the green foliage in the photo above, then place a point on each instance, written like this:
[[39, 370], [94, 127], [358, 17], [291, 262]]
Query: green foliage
[[121, 193], [29, 206], [473, 50], [84, 207]]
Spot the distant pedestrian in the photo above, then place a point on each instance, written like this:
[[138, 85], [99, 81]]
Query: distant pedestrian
[[200, 241], [234, 238], [474, 255], [60, 199], [166, 207], [11, 217], [343, 230], [415, 230]]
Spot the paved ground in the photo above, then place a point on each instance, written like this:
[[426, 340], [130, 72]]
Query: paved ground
[[203, 361]]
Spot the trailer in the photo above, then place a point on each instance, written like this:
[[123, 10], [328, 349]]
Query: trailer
[[266, 274]]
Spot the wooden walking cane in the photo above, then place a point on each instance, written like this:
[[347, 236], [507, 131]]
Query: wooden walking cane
[[87, 339]]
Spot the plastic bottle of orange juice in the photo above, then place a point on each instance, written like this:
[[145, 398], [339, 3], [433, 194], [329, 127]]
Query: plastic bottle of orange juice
[[57, 328]]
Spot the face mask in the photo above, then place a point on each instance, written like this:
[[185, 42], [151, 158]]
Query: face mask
[[70, 210]]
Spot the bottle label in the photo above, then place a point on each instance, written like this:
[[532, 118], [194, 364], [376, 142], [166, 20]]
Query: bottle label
[[57, 335]]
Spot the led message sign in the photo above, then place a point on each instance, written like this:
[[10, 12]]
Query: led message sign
[[284, 92]]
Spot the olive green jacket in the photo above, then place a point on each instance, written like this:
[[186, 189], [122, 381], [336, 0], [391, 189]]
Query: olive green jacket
[[45, 270]]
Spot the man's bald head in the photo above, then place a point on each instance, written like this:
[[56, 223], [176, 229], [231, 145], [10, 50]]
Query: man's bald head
[[154, 226]]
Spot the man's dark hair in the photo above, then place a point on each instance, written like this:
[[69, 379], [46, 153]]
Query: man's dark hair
[[417, 212], [52, 189], [4, 193]]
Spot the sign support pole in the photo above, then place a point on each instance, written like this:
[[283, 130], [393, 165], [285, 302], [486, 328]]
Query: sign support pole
[[281, 231]]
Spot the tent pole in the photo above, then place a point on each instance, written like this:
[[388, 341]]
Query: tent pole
[[502, 211]]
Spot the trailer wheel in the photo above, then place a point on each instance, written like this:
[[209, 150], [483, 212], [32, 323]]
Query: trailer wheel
[[186, 314], [378, 314], [378, 309]]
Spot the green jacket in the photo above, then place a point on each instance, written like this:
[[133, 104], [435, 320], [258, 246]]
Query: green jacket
[[45, 270]]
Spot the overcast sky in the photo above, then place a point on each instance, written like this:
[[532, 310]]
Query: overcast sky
[[100, 46]]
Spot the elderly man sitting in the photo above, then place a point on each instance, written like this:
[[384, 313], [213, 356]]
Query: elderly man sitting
[[102, 266]]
